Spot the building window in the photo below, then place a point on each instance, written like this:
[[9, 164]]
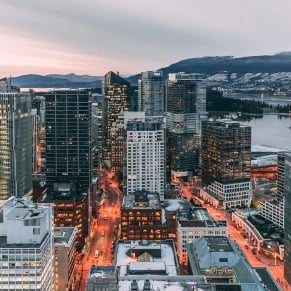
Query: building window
[[36, 231]]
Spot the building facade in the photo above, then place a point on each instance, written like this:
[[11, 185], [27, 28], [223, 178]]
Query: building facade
[[221, 261], [151, 93], [287, 219], [69, 158], [116, 93], [15, 145], [145, 156], [185, 106], [26, 247], [193, 224], [65, 258], [68, 139], [141, 217], [226, 161]]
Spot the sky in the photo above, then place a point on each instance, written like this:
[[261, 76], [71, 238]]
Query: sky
[[131, 36]]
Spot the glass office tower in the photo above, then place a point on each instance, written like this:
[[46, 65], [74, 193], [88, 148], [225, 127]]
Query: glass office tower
[[151, 93], [186, 105], [68, 159], [15, 145], [226, 161], [68, 139]]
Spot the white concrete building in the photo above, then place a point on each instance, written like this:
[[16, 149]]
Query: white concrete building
[[273, 210], [26, 245], [193, 224], [145, 156], [231, 194]]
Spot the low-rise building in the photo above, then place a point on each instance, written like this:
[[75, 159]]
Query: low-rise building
[[141, 217], [222, 262], [195, 223]]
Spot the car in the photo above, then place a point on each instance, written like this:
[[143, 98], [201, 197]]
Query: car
[[102, 233], [230, 234], [97, 252]]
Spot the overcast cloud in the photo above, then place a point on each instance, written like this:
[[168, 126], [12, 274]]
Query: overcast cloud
[[95, 36]]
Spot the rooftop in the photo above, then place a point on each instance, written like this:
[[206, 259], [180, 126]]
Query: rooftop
[[146, 257], [209, 254], [141, 199], [63, 235]]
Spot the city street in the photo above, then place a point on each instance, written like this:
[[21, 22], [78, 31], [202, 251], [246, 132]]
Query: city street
[[104, 231]]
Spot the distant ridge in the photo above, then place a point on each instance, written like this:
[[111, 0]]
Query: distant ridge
[[56, 81], [208, 65]]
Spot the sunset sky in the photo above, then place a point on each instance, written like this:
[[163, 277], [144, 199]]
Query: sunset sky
[[131, 36]]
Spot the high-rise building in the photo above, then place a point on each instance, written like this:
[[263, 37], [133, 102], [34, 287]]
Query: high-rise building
[[145, 156], [151, 93], [68, 139], [68, 158], [185, 106], [287, 219], [117, 140], [26, 247], [15, 145], [226, 161], [116, 93]]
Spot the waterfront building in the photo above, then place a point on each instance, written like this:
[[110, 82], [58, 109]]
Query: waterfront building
[[141, 217], [144, 167], [151, 93], [185, 106], [116, 93], [65, 258], [26, 245], [68, 158], [226, 161], [15, 144]]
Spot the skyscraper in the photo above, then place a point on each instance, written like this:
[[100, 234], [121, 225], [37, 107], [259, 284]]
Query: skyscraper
[[68, 157], [186, 104], [116, 92], [68, 139], [15, 145], [226, 161], [151, 93], [145, 156]]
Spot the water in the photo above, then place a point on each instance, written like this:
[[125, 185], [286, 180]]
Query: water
[[271, 130], [268, 99]]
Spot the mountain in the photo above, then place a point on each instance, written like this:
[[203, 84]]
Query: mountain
[[209, 66], [56, 81], [280, 62], [76, 78]]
